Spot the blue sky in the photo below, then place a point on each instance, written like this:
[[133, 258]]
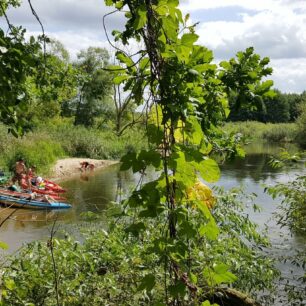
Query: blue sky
[[275, 28]]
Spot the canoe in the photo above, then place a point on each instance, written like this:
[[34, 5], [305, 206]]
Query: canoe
[[51, 193], [47, 188], [23, 202], [25, 194]]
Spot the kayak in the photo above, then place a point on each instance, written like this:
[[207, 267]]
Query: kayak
[[47, 186], [23, 193], [27, 202], [51, 193]]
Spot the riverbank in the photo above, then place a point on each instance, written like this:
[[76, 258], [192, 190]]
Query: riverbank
[[68, 167]]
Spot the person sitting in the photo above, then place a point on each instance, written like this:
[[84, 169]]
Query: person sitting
[[31, 172], [25, 182]]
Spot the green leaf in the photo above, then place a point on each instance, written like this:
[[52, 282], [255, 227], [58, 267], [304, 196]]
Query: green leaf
[[136, 228], [209, 230], [3, 245], [120, 78], [9, 284], [170, 28], [209, 170], [123, 58], [178, 289], [119, 5], [141, 18], [189, 39], [108, 2], [127, 161], [194, 72], [218, 275], [147, 283]]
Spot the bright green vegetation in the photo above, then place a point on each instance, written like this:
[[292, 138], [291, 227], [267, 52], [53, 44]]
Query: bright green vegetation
[[166, 246], [274, 132], [292, 214], [59, 139], [114, 267]]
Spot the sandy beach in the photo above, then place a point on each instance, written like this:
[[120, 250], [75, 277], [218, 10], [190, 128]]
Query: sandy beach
[[67, 167]]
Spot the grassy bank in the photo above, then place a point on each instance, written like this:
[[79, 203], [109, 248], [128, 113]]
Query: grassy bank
[[271, 132], [55, 140]]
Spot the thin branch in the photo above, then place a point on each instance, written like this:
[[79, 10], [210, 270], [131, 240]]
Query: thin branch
[[43, 31], [6, 18]]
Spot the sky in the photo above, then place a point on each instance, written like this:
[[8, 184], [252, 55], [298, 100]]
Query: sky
[[275, 28]]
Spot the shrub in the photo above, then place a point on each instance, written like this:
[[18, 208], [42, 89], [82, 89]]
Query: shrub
[[278, 132], [301, 126]]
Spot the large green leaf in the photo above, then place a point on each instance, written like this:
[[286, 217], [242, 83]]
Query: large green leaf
[[147, 283], [141, 18], [209, 170], [219, 275], [189, 39]]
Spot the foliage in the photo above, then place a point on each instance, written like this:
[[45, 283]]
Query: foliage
[[281, 107], [57, 138], [36, 148], [59, 86], [253, 130], [19, 60], [292, 214], [115, 268], [243, 80], [187, 100], [293, 208], [301, 125], [94, 87]]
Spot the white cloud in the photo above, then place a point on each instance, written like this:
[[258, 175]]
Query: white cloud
[[289, 74], [276, 28]]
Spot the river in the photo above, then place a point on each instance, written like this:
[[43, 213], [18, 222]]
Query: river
[[95, 191]]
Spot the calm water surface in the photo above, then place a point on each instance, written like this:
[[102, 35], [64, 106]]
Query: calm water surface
[[94, 192]]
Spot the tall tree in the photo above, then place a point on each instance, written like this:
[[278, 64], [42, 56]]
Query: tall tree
[[59, 85], [94, 85], [18, 61]]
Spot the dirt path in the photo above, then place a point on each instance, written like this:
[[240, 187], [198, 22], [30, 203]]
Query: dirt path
[[68, 167]]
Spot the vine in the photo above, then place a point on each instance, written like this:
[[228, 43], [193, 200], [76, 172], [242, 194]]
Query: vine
[[188, 100]]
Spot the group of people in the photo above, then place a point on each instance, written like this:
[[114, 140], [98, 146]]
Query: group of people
[[25, 176]]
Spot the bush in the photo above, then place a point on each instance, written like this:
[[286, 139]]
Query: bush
[[116, 268], [59, 138], [278, 132], [36, 148], [301, 126]]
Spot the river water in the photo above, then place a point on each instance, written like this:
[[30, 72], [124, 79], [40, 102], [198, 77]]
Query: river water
[[95, 191]]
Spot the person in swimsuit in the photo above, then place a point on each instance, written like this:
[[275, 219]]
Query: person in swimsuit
[[20, 170]]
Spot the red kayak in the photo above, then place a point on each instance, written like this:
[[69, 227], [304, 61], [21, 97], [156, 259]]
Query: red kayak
[[42, 186], [54, 187]]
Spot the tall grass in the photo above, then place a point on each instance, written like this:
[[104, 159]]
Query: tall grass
[[271, 132], [57, 139], [36, 148]]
